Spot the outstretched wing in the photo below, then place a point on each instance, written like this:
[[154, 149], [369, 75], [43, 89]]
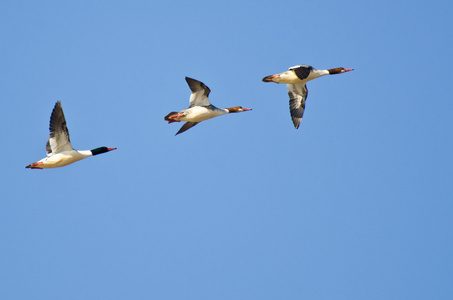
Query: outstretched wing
[[59, 134], [186, 126], [297, 95], [200, 93]]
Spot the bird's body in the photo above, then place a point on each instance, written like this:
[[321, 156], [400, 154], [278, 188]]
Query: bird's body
[[59, 150], [199, 113], [200, 109], [296, 78], [60, 159]]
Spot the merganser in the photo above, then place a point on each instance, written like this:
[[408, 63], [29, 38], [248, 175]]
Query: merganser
[[200, 108], [59, 150], [296, 78]]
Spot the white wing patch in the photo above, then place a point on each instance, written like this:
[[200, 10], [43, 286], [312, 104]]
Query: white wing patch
[[59, 134], [200, 93], [297, 95]]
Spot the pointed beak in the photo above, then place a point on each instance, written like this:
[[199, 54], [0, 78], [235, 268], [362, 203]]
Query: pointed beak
[[347, 70], [110, 149], [270, 78], [246, 109]]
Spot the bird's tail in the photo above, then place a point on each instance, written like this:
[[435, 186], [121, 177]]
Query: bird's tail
[[167, 117]]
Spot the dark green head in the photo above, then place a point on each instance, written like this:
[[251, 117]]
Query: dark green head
[[101, 150]]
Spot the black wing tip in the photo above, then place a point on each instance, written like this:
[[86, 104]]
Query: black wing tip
[[191, 81], [57, 106], [186, 127], [296, 122], [197, 85], [297, 115], [181, 130], [57, 119]]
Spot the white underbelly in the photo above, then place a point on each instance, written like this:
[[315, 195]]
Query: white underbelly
[[198, 114], [62, 159]]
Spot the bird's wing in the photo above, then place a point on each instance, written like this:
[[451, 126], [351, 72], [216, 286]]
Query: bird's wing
[[186, 126], [200, 93], [297, 95], [59, 134], [302, 72]]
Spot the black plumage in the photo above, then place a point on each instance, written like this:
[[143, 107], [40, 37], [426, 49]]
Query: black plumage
[[302, 72]]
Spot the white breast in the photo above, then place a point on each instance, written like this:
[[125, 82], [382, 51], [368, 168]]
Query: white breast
[[64, 158], [201, 113]]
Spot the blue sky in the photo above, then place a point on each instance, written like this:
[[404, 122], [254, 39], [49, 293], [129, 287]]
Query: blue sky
[[356, 204]]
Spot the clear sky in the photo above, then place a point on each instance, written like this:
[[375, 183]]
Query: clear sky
[[356, 204]]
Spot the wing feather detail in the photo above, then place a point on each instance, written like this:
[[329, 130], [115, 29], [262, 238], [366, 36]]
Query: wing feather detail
[[186, 126], [297, 95], [59, 134], [200, 93]]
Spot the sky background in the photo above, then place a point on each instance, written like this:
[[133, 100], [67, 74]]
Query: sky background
[[356, 204]]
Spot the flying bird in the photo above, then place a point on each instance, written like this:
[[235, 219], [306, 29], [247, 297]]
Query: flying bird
[[200, 108], [296, 78], [59, 150]]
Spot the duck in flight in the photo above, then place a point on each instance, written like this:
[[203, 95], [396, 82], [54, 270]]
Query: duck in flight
[[200, 109], [296, 78], [59, 150]]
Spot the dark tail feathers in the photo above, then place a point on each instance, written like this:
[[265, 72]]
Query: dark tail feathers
[[167, 117]]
